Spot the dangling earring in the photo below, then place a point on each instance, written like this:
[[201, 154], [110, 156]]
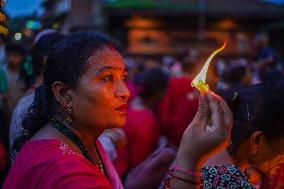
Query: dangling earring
[[68, 114]]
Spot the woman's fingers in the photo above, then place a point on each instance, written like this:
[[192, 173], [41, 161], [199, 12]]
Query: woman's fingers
[[215, 110], [203, 113]]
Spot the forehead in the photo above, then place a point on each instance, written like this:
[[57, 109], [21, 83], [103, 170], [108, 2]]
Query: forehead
[[106, 57]]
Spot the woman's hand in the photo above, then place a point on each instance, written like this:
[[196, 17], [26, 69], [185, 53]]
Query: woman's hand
[[209, 132]]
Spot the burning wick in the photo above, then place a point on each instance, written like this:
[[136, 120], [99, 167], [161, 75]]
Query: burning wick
[[199, 82]]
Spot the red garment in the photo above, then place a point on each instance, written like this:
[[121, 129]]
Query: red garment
[[178, 108], [49, 163], [275, 180], [142, 132]]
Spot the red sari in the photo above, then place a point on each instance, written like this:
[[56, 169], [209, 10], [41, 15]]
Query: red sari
[[49, 163]]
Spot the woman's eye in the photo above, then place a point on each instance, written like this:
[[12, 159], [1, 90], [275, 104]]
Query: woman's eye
[[108, 78]]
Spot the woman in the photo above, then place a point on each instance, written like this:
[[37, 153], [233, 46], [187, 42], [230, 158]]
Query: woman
[[258, 134], [83, 93]]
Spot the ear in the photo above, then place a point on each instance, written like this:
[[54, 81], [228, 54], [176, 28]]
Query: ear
[[256, 141], [61, 93]]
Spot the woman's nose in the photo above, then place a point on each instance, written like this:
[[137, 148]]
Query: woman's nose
[[122, 90]]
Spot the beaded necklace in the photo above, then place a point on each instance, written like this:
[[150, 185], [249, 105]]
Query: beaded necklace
[[76, 140]]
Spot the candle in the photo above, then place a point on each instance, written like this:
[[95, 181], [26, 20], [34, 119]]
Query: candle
[[199, 82]]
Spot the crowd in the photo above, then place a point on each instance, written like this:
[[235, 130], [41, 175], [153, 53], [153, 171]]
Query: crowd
[[76, 113]]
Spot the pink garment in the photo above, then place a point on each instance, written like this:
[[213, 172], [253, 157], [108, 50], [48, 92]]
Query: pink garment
[[51, 164], [133, 90], [142, 132]]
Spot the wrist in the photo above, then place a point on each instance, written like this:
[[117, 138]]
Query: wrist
[[188, 161]]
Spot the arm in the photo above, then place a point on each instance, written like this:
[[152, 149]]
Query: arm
[[209, 133]]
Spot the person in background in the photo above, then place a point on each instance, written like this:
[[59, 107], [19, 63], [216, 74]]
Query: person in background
[[179, 105], [4, 127], [82, 94], [30, 77], [15, 55], [3, 89], [237, 76], [268, 60], [3, 55], [142, 128], [257, 136]]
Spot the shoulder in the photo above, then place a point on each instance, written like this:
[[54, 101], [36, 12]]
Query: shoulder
[[224, 175], [53, 164]]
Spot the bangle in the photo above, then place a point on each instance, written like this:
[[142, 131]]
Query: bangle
[[184, 180], [166, 183], [175, 167]]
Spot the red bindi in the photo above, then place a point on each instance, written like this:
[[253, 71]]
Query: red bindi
[[111, 47]]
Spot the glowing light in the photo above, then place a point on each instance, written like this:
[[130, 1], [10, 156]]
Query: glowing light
[[199, 82], [18, 36], [3, 30], [32, 24], [3, 17]]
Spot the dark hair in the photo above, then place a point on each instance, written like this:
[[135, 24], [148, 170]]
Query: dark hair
[[31, 67], [235, 73], [16, 47], [66, 62], [258, 107], [188, 65], [152, 82]]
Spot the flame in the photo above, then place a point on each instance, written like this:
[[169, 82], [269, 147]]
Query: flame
[[199, 82]]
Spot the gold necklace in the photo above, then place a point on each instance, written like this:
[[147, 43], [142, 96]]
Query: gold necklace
[[99, 163], [76, 140]]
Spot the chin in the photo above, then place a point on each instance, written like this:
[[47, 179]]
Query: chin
[[118, 123], [121, 124]]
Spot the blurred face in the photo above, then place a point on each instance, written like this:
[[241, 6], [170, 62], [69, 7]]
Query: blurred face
[[100, 99], [14, 59]]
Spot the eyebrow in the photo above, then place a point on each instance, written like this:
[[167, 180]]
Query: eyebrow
[[110, 68]]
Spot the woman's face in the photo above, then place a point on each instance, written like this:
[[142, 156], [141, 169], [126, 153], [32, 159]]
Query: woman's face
[[99, 100]]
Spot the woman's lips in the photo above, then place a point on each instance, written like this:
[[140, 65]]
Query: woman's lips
[[122, 108]]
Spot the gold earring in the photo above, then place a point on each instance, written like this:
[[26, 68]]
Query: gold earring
[[68, 115]]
